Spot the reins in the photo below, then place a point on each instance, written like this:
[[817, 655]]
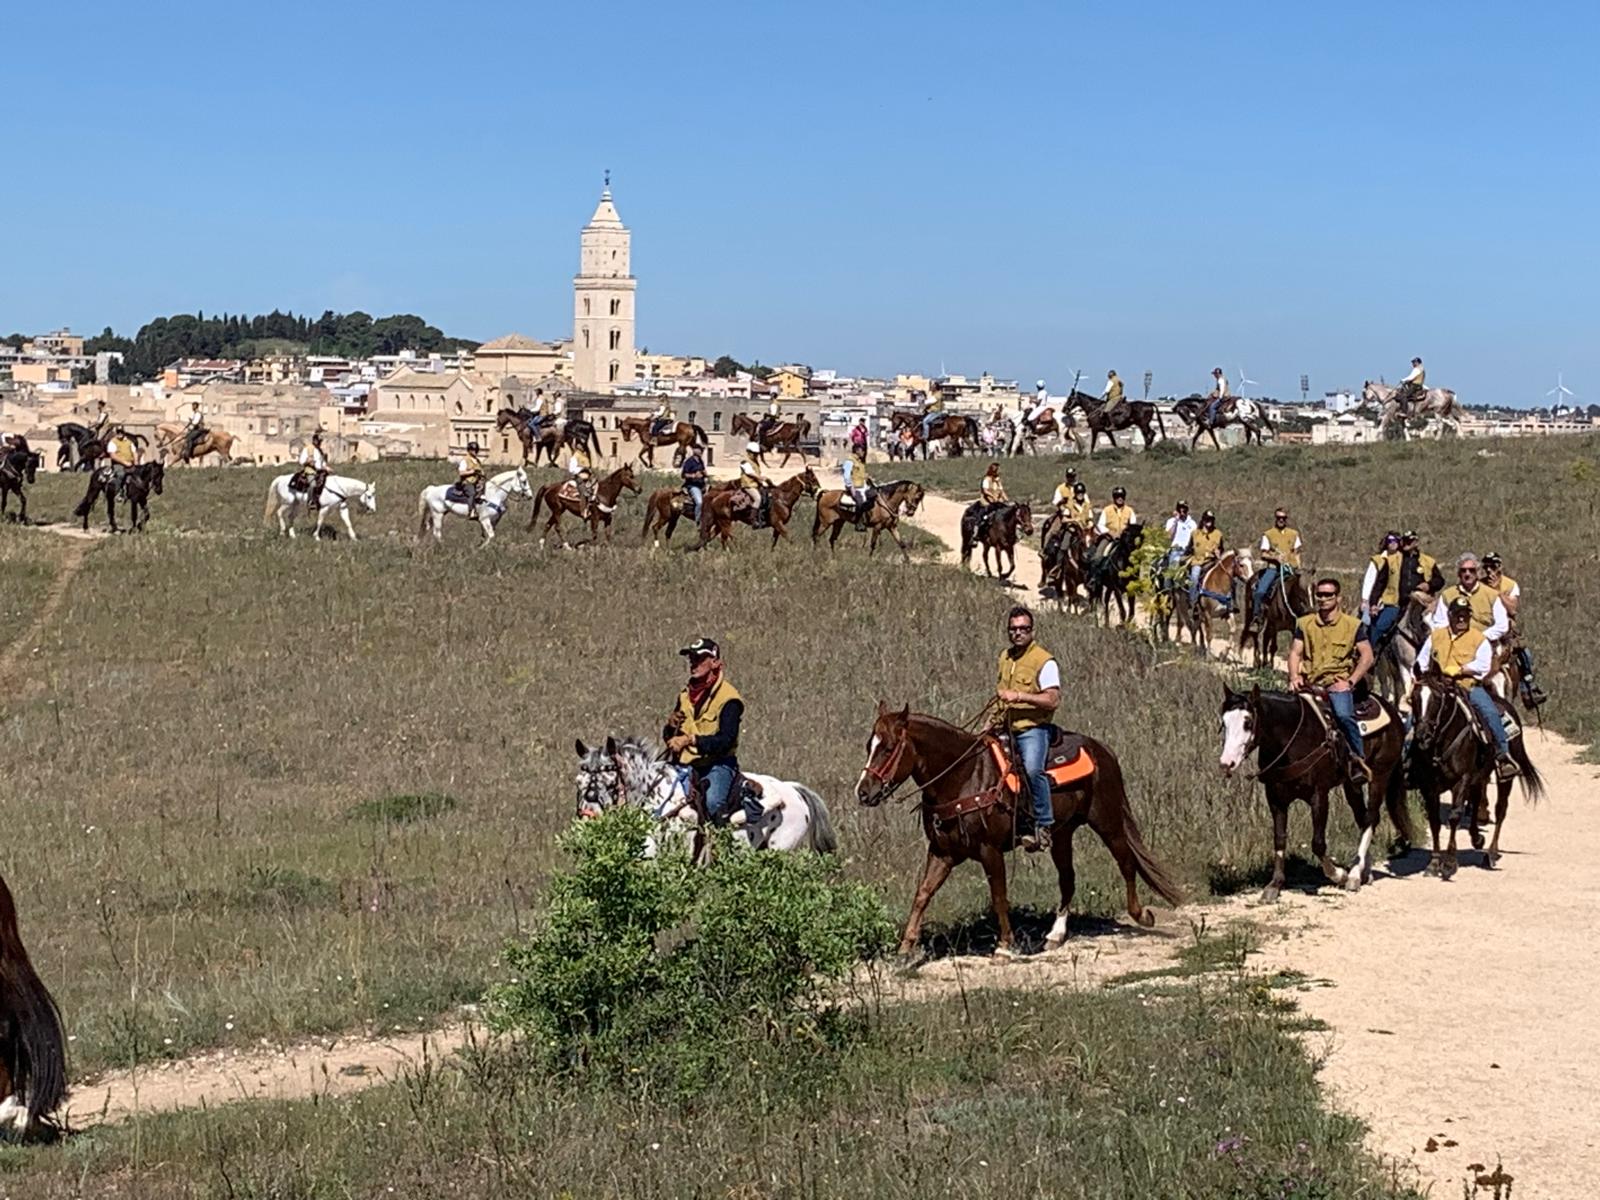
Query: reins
[[892, 764]]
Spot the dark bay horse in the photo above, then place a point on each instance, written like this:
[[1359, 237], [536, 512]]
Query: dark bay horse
[[954, 428], [558, 498], [76, 447], [969, 812], [999, 533], [1134, 414], [683, 436], [890, 502], [1061, 565], [1449, 754], [18, 466], [787, 436], [726, 504], [33, 1047], [1302, 757], [1107, 567], [1287, 602], [138, 484]]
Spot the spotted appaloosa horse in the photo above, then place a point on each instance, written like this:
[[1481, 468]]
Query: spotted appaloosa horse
[[969, 812]]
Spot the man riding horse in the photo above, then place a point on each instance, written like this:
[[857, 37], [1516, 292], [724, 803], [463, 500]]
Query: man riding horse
[[1332, 654], [1219, 400], [992, 496], [753, 485], [1511, 597], [662, 419], [769, 421], [312, 473], [857, 488], [1413, 388], [470, 477], [1462, 653], [694, 482], [1280, 551], [1029, 691], [702, 734], [121, 455], [1113, 399], [1398, 574], [194, 428], [1205, 550], [1114, 518], [932, 408]]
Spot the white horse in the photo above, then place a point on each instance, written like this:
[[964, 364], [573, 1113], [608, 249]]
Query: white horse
[[1436, 402], [630, 771], [433, 504], [337, 493]]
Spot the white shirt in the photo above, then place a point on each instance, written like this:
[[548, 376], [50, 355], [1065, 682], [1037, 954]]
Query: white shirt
[[194, 418], [1181, 532], [312, 457], [1221, 388], [1049, 676], [558, 406], [1478, 668], [773, 410], [848, 467], [464, 466], [748, 469], [1440, 618], [1100, 524], [1106, 393], [660, 412], [1416, 375]]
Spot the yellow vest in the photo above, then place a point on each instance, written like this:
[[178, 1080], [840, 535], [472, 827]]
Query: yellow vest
[[1452, 654], [473, 466], [1391, 584], [1329, 653], [1114, 396], [1022, 675], [1482, 600], [1507, 585], [1422, 377], [1081, 513], [1062, 497], [120, 450], [1116, 518], [1281, 542], [706, 719], [1206, 544], [991, 489]]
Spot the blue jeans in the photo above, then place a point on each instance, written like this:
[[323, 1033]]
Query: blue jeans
[[716, 786], [1481, 699], [1265, 582], [927, 423], [1344, 714], [1382, 627], [1034, 747], [698, 495]]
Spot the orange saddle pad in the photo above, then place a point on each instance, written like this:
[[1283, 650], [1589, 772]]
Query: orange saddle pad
[[1065, 764]]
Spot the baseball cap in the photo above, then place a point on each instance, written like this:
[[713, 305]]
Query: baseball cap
[[701, 647], [1460, 605]]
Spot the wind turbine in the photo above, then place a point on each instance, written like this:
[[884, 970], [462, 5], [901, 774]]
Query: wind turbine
[[1243, 381], [1561, 391]]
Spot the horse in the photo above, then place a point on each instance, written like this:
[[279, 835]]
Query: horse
[[19, 466], [785, 435], [1048, 425], [1301, 756], [1287, 602], [1436, 402], [171, 437], [723, 507], [1061, 561], [1450, 754], [76, 447], [1247, 414], [955, 429], [1134, 414], [684, 436], [663, 509], [633, 771], [1220, 582], [33, 1046], [137, 484], [1107, 567], [889, 503], [546, 442], [433, 503], [971, 797], [1395, 666], [337, 493], [1000, 533], [558, 498]]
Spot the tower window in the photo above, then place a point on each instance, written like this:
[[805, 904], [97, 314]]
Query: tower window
[[616, 307], [586, 333], [586, 306], [612, 374], [616, 339]]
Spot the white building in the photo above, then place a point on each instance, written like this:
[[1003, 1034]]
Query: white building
[[603, 302]]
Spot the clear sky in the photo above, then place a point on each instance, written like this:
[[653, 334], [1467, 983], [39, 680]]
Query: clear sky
[[1029, 189]]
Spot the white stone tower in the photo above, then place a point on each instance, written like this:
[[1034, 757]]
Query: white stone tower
[[602, 302]]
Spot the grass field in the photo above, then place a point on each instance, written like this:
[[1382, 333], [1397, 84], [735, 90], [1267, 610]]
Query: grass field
[[1535, 501]]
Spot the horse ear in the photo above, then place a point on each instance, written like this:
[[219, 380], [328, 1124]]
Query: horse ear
[[583, 751], [611, 746], [1228, 694], [882, 707], [1255, 694], [905, 713]]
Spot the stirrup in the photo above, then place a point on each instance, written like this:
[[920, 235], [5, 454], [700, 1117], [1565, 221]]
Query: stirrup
[[1036, 841]]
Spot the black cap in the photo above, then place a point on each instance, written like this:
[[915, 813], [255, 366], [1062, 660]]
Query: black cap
[[701, 647], [1460, 605], [1208, 515], [1490, 559], [1080, 486], [472, 445], [1118, 491], [1183, 504], [1409, 535]]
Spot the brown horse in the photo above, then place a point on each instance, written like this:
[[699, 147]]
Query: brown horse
[[1061, 561], [889, 503], [170, 441], [1449, 754], [1287, 602], [952, 428], [1221, 577], [684, 436], [662, 511], [1134, 414], [970, 807], [1303, 756], [1048, 427], [33, 1048], [1000, 533], [532, 446], [562, 497], [785, 435], [727, 503]]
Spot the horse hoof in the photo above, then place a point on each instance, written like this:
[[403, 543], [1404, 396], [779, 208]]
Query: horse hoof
[[1054, 943], [1269, 895], [1477, 840], [1352, 882], [1147, 918], [1004, 953]]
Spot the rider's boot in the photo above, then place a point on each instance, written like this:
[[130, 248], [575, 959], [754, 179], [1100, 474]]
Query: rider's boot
[[1038, 840], [1356, 769], [1505, 767]]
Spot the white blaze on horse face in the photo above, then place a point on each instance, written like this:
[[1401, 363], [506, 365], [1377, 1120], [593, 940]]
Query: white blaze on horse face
[[872, 752], [1235, 738]]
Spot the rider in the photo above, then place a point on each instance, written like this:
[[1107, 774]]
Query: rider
[[932, 407], [857, 487], [1041, 403], [1116, 516], [694, 481], [661, 418], [1113, 403], [1218, 397], [752, 481], [121, 453], [1029, 690], [1489, 615], [1205, 548], [702, 734], [194, 429], [1511, 596], [1380, 590], [469, 476], [991, 496], [582, 477], [1061, 501], [1413, 388], [770, 421], [1280, 551], [1061, 498], [1331, 650], [1180, 533], [1463, 653], [540, 414], [313, 472], [97, 427]]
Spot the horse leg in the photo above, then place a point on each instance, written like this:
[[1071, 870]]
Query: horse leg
[[1460, 798], [1066, 873], [1432, 806], [1280, 848], [1319, 838], [344, 515], [994, 866], [1502, 803], [1367, 817], [934, 872]]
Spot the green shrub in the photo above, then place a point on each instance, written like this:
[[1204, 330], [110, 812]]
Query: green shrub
[[650, 967], [403, 809]]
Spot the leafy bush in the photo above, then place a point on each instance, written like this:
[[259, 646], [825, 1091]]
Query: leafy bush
[[651, 967]]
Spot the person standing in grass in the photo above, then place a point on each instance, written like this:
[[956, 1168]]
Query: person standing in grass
[[1029, 691]]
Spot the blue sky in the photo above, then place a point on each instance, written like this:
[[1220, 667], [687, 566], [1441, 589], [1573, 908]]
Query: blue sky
[[1023, 188]]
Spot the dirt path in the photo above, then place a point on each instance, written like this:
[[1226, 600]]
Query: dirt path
[[1463, 1015], [71, 560]]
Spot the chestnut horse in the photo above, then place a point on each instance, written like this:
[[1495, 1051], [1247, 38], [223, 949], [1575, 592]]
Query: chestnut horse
[[684, 436], [969, 812], [725, 504], [889, 503], [1287, 602], [1220, 581], [33, 1048], [785, 436], [663, 509], [170, 439], [999, 533], [560, 498]]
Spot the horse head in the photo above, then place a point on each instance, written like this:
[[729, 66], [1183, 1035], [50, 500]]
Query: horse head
[[598, 780], [369, 498], [890, 756], [1023, 516], [1240, 714], [808, 482], [33, 460], [505, 417], [1430, 708], [519, 483], [625, 478], [911, 497], [158, 474]]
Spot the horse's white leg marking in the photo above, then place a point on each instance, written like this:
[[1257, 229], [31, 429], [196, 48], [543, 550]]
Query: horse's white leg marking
[[1058, 930], [344, 513], [1361, 869]]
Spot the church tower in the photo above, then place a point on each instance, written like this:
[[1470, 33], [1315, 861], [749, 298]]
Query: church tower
[[602, 296]]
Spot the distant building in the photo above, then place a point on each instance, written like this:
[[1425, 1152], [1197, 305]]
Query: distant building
[[603, 303], [791, 382]]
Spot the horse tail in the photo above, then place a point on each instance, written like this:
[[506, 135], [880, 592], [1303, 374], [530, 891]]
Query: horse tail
[[701, 441], [272, 496], [422, 512], [1394, 800], [39, 1063], [594, 441], [1160, 424], [1532, 781], [820, 829]]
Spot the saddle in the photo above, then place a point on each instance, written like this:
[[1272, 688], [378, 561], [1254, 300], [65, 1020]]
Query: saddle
[[299, 482], [1508, 716], [1066, 762], [569, 491], [1371, 715], [456, 494]]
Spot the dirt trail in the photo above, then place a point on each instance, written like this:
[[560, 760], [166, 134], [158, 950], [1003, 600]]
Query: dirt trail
[[72, 559], [1462, 1014]]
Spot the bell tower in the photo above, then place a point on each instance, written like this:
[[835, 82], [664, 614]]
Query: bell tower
[[602, 301]]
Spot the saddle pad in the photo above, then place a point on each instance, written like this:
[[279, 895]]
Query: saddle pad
[[569, 491], [456, 494], [1370, 715], [1067, 762]]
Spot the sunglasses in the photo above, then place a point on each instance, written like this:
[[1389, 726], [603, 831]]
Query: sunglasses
[[1327, 595], [1466, 570], [1020, 629]]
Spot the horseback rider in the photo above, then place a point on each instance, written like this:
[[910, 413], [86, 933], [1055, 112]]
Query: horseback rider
[[581, 476], [932, 408], [313, 472], [194, 429], [1380, 590], [1181, 529], [1061, 501], [1219, 395], [702, 733], [1116, 516], [770, 421], [539, 415], [661, 418], [991, 497], [1041, 404], [1489, 615], [97, 427], [469, 478], [1459, 651], [859, 439], [1413, 388], [1280, 551], [1029, 691], [1061, 498], [1511, 596], [1205, 549], [753, 485], [121, 455], [1331, 650], [858, 487], [694, 481], [1112, 402]]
